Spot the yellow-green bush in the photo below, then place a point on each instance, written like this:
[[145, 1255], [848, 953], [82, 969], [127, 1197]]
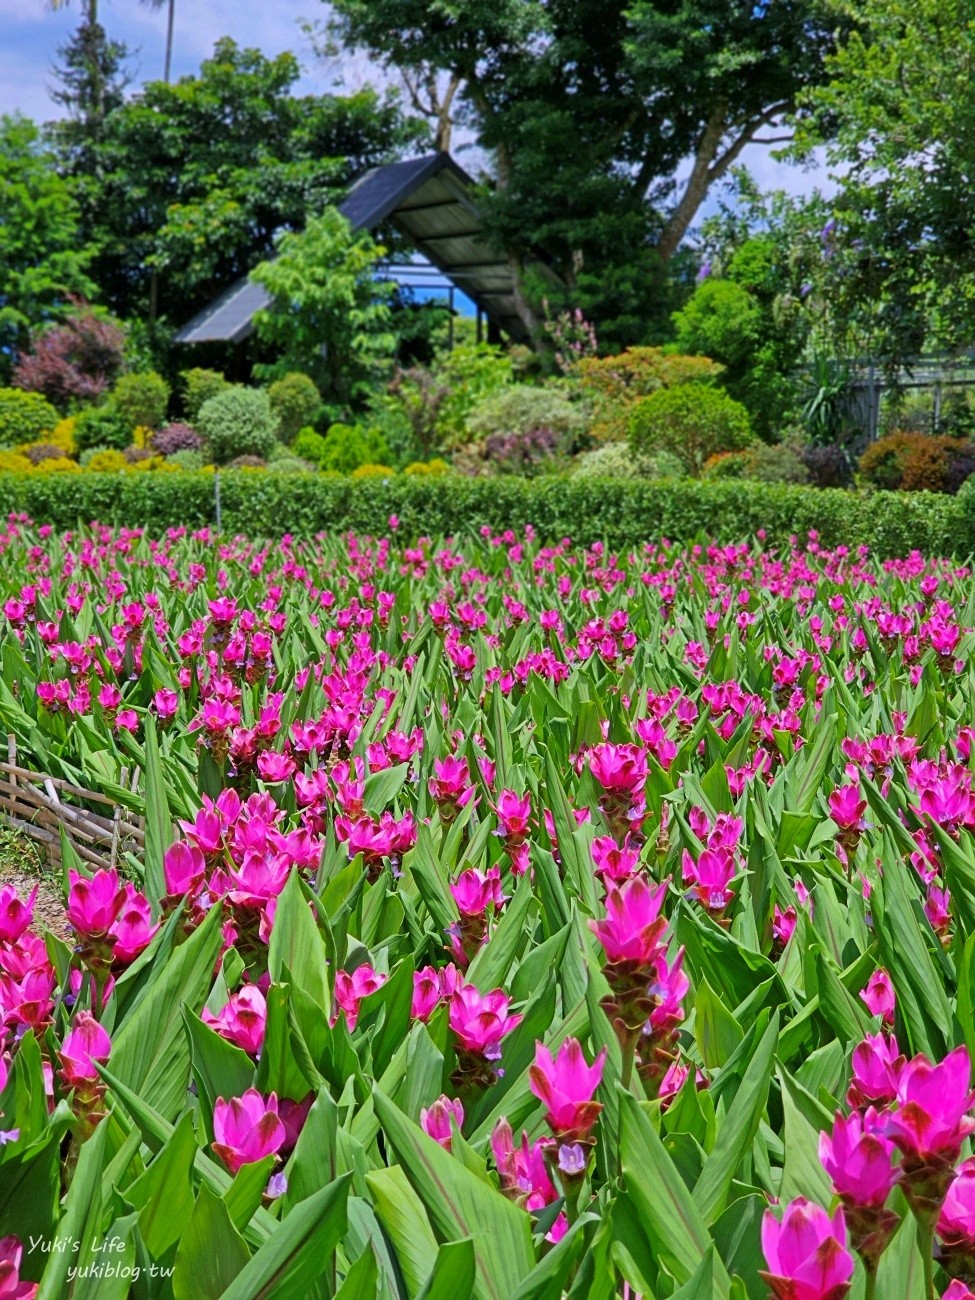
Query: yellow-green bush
[[105, 462], [373, 471], [13, 462], [435, 466], [60, 465]]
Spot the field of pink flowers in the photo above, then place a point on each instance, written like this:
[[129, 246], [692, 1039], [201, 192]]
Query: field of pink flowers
[[514, 922]]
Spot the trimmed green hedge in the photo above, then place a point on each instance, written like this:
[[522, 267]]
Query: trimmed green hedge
[[622, 514]]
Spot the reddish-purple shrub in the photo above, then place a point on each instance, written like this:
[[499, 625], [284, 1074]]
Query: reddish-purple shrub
[[74, 361], [43, 451], [176, 437]]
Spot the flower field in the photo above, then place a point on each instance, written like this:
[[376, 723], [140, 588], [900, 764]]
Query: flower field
[[513, 921]]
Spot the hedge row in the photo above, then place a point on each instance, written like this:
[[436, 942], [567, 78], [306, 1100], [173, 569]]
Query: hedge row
[[622, 514]]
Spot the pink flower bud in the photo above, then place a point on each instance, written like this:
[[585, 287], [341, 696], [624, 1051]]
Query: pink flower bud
[[243, 1020], [246, 1129], [566, 1086], [351, 989], [632, 931], [879, 996], [806, 1253], [480, 1021], [859, 1159], [94, 904], [435, 1120], [83, 1046]]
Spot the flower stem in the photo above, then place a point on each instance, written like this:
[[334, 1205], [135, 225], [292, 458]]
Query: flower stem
[[925, 1242], [870, 1290]]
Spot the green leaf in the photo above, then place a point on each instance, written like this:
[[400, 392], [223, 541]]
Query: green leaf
[[298, 1253], [211, 1253], [362, 1279], [405, 1221], [159, 822], [716, 1030], [461, 1205], [453, 1273], [164, 1193], [81, 1221], [674, 1226], [150, 1053], [737, 1130], [296, 953]]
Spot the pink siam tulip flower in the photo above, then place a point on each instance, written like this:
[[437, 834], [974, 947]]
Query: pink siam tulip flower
[[94, 904], [846, 807], [246, 1129], [710, 878], [614, 862], [932, 1117], [936, 909], [877, 1067], [184, 867], [958, 1291], [632, 930], [243, 1020], [165, 702], [783, 924], [258, 878], [522, 1169], [879, 996], [350, 989], [480, 1021], [11, 1287], [426, 993], [435, 1120], [859, 1159], [514, 817], [956, 1223], [475, 891], [670, 987], [28, 1001], [293, 1115], [86, 1043], [566, 1086], [15, 916], [619, 769], [133, 929], [806, 1253], [450, 786]]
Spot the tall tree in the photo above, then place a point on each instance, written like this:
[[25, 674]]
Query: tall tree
[[591, 109], [91, 82], [42, 258], [196, 179], [898, 116]]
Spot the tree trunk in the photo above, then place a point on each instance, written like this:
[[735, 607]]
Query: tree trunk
[[170, 22]]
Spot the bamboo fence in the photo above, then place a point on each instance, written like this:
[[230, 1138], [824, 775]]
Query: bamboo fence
[[41, 806]]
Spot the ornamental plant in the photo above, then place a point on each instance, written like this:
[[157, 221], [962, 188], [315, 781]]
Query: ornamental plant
[[618, 902]]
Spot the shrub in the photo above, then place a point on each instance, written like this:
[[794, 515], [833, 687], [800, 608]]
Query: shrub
[[775, 464], [102, 426], [140, 455], [58, 465], [290, 465], [912, 462], [435, 466], [523, 453], [725, 465], [309, 445], [75, 361], [427, 407], [347, 446], [238, 422], [613, 384], [186, 459], [105, 462], [247, 462], [828, 466], [616, 460], [13, 462], [142, 399], [198, 386], [296, 401], [38, 451], [620, 515], [692, 421], [721, 319], [522, 409], [24, 416], [62, 435], [176, 437], [373, 471]]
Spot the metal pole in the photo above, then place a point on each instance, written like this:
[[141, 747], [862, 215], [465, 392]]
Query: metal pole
[[216, 496]]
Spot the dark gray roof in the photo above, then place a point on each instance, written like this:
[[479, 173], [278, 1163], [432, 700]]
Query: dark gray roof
[[427, 200]]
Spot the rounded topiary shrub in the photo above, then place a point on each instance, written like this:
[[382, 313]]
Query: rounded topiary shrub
[[692, 422], [348, 446], [141, 399], [186, 459], [912, 462], [24, 417], [309, 445], [102, 426], [198, 386], [238, 422], [616, 460], [295, 401]]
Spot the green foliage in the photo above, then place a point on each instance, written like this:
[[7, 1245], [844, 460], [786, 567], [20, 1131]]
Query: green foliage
[[198, 386], [102, 426], [616, 460], [141, 399], [295, 401], [347, 447], [691, 422], [426, 408], [188, 184], [43, 258], [187, 459], [24, 417], [329, 317], [309, 445], [238, 422], [525, 409], [621, 515], [721, 320], [289, 465]]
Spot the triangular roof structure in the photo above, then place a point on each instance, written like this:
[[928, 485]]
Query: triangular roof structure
[[429, 201]]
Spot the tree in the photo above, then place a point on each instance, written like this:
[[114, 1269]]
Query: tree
[[196, 179], [329, 315], [42, 257], [92, 81], [589, 108], [898, 116]]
